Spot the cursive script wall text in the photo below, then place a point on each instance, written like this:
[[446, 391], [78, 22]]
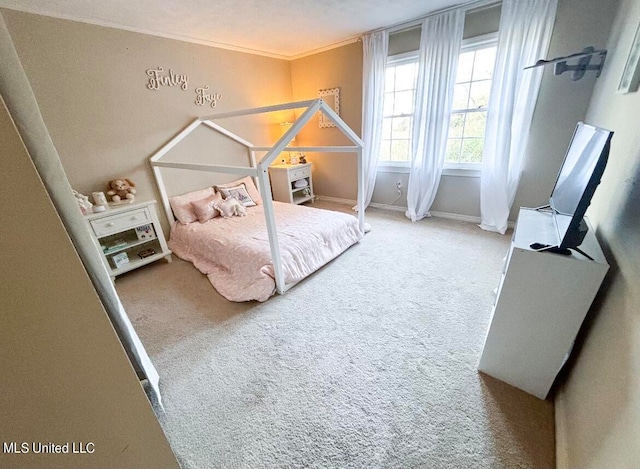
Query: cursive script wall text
[[156, 79], [202, 96]]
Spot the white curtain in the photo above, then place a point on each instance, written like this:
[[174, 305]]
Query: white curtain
[[375, 50], [523, 38], [439, 49]]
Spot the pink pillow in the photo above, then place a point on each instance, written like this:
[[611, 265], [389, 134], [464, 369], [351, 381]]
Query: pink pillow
[[205, 208], [181, 204], [252, 190]]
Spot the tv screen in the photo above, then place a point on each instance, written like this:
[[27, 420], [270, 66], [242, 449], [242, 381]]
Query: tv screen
[[578, 178]]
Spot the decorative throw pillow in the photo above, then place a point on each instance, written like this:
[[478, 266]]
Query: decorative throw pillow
[[239, 192], [181, 204], [205, 209], [230, 207], [253, 191]]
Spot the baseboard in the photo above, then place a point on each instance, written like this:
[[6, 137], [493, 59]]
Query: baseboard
[[455, 216], [393, 208], [398, 208], [336, 200], [450, 216], [562, 450], [467, 218]]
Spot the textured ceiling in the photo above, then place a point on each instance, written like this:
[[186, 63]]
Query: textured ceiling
[[280, 28]]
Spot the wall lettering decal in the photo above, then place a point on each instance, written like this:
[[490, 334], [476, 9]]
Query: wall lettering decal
[[156, 80], [202, 96]]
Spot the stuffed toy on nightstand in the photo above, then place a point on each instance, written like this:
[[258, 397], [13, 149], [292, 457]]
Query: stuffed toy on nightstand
[[121, 189]]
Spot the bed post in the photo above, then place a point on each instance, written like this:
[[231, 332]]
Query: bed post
[[265, 190], [163, 195], [351, 135], [156, 170], [252, 159], [360, 200]]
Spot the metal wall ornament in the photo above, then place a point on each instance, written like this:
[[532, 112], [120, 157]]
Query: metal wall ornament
[[332, 98], [158, 79], [580, 67]]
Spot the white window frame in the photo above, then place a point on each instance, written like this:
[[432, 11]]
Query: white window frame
[[449, 169], [469, 45], [398, 166]]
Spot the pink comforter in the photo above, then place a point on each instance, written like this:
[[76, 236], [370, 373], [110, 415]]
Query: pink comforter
[[234, 252]]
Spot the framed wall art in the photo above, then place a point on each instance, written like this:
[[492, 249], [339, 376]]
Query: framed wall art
[[332, 98], [631, 74]]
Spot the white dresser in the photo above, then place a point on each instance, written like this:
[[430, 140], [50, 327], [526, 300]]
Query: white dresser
[[129, 235], [541, 303]]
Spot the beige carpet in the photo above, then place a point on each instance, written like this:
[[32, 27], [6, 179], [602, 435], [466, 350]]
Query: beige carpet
[[369, 363]]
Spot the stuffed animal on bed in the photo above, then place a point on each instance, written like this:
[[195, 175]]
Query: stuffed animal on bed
[[121, 188], [230, 207]]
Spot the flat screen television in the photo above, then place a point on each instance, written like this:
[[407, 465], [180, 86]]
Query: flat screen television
[[577, 180]]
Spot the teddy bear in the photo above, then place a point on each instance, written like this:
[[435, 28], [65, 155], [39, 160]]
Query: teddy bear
[[121, 189]]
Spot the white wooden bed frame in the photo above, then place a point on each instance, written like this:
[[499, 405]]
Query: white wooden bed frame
[[259, 170]]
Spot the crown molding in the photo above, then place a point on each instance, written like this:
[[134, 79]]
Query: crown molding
[[324, 49], [176, 37]]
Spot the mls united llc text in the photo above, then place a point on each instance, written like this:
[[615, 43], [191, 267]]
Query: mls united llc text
[[73, 447]]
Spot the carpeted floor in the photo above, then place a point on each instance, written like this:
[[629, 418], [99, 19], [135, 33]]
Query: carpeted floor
[[369, 363]]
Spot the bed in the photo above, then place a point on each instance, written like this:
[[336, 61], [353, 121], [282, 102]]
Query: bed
[[275, 245], [234, 253]]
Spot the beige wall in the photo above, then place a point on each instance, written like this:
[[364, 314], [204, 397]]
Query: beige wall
[[477, 23], [598, 408], [90, 83], [561, 104], [105, 123], [65, 377], [334, 174]]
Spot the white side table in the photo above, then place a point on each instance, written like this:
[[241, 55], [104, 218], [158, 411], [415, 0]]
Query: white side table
[[129, 235], [285, 179]]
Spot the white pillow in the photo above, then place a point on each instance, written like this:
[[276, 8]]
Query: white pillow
[[230, 207], [239, 192], [254, 193]]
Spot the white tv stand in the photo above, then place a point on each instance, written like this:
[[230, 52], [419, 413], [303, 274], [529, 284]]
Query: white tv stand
[[541, 302]]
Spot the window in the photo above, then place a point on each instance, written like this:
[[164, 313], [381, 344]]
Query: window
[[400, 88], [469, 113], [470, 99]]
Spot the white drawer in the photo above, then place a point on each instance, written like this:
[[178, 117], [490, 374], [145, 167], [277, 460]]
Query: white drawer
[[120, 222], [299, 173]]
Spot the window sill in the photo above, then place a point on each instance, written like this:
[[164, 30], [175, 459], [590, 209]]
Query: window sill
[[467, 171], [470, 171], [393, 168]]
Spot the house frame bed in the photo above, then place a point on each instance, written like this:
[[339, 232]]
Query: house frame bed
[[259, 170]]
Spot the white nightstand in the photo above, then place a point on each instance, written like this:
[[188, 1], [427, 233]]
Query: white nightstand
[[285, 179], [130, 236]]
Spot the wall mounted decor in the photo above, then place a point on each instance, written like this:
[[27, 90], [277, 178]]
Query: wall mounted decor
[[631, 75], [157, 79], [332, 98], [203, 96], [580, 67]]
